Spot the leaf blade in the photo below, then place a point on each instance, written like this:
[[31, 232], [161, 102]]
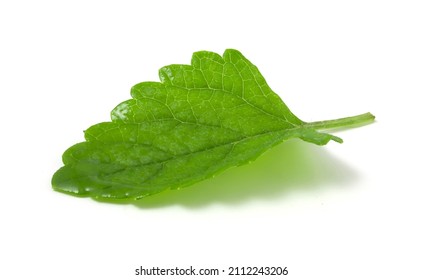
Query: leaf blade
[[198, 121]]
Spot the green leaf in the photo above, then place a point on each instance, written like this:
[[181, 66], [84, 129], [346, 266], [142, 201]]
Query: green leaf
[[199, 120]]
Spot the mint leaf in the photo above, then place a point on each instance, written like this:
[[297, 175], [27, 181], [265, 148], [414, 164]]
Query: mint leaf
[[200, 120]]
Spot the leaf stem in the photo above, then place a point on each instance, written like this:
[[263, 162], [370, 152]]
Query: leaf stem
[[354, 121]]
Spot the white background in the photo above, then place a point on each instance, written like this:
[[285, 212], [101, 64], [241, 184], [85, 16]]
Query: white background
[[349, 211]]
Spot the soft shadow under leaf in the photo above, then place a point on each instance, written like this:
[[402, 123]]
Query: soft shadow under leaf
[[290, 166]]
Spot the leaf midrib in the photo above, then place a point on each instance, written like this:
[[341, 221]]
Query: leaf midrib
[[201, 150]]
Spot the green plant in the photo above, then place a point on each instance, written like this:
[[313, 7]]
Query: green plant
[[198, 121]]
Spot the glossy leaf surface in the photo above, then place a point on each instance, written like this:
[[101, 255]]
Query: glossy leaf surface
[[199, 120]]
